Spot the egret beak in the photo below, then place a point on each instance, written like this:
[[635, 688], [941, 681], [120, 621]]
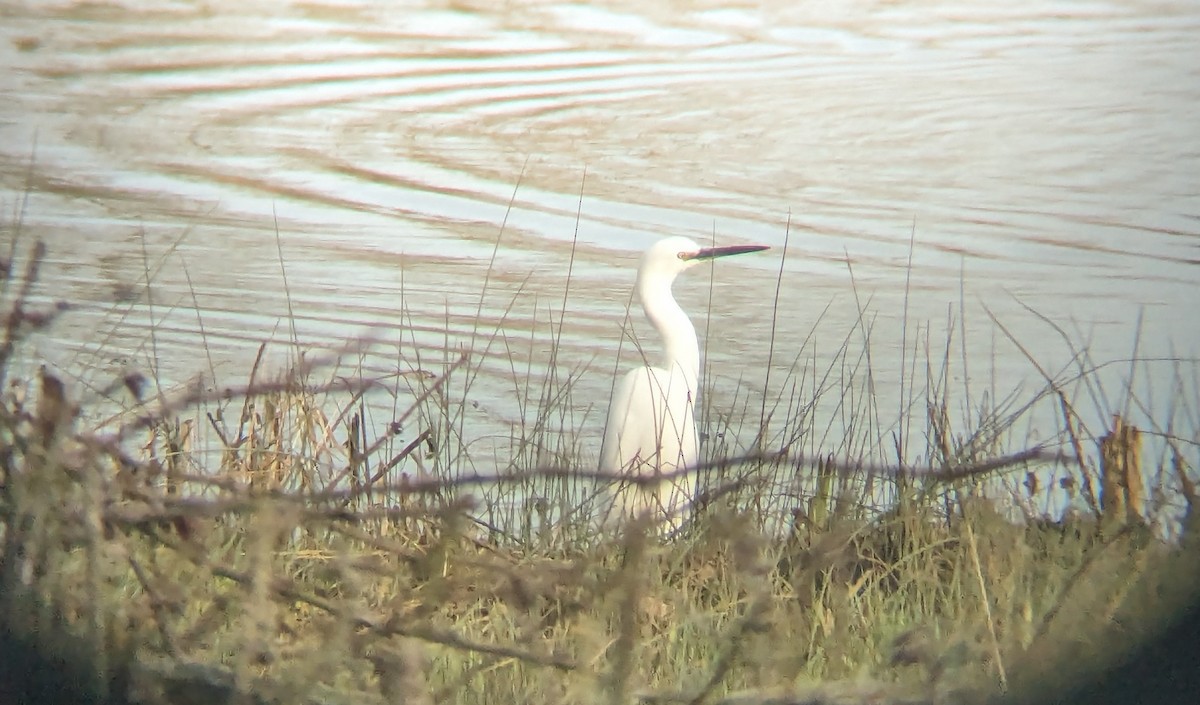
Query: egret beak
[[714, 252]]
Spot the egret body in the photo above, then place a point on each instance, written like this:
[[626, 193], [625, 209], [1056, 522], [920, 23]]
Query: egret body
[[651, 429]]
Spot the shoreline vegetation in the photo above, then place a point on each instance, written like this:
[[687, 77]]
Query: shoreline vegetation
[[331, 558]]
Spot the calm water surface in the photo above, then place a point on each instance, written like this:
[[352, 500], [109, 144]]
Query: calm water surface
[[1008, 157]]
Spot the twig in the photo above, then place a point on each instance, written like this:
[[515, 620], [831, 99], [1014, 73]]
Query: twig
[[987, 606], [287, 590], [948, 473]]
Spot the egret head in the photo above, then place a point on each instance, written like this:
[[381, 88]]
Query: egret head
[[670, 256]]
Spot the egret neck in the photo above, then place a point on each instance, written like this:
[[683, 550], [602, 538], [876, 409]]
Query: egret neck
[[680, 350]]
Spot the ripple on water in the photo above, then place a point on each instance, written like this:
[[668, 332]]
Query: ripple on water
[[1042, 152]]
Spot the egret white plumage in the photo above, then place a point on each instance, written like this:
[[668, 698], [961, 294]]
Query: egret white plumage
[[651, 428]]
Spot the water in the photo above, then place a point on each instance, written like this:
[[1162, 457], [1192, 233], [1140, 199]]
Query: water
[[935, 160]]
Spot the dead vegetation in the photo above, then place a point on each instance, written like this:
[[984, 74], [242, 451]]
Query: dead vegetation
[[320, 564]]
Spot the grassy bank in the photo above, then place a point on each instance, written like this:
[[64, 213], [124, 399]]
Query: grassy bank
[[327, 556]]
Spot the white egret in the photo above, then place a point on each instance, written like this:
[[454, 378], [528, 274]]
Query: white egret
[[651, 429]]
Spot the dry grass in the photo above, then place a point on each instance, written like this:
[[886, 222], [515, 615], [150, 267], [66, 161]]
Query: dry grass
[[322, 561]]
